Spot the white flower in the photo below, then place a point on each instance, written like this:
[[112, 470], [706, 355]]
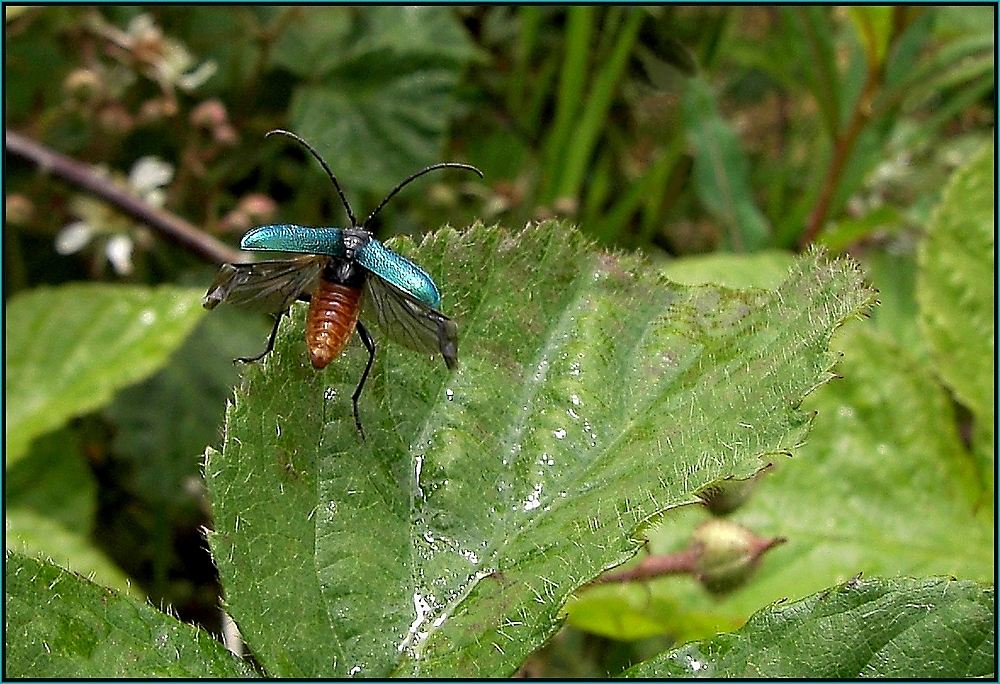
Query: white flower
[[111, 234], [192, 79], [119, 251], [148, 175], [74, 237]]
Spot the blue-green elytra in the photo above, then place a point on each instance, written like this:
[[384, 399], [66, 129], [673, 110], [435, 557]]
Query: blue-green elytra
[[346, 275]]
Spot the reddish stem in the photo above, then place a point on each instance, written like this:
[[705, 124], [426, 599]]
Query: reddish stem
[[843, 147], [654, 566], [845, 142]]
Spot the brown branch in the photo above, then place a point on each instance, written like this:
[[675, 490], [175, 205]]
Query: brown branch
[[82, 175], [650, 567], [686, 561]]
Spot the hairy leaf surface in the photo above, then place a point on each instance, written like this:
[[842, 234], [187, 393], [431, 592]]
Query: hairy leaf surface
[[591, 396], [59, 625], [906, 628]]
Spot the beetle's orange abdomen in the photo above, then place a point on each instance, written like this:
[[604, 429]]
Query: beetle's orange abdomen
[[333, 313]]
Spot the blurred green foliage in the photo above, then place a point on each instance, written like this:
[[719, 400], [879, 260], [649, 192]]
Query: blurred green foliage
[[675, 130]]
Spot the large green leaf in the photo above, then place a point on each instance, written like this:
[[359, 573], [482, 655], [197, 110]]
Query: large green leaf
[[69, 349], [955, 289], [883, 483], [881, 486], [906, 628], [592, 395], [60, 625], [383, 102]]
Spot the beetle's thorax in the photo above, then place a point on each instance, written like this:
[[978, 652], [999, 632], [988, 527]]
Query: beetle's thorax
[[355, 239], [344, 272]]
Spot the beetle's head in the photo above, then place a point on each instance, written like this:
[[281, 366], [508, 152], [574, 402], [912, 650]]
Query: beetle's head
[[355, 239]]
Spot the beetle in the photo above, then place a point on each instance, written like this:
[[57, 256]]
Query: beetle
[[346, 275]]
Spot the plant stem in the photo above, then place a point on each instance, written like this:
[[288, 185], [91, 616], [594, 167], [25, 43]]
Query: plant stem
[[654, 566], [83, 176], [842, 149]]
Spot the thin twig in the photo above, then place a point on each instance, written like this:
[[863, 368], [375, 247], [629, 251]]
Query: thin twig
[[83, 176], [657, 565]]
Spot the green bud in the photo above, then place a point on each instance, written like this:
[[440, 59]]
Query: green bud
[[727, 554], [722, 497]]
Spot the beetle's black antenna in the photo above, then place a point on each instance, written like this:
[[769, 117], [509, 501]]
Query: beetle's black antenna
[[312, 150], [443, 165]]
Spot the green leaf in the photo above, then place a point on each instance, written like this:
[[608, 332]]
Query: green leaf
[[955, 286], [54, 480], [628, 612], [384, 104], [69, 349], [62, 626], [845, 232], [577, 53], [594, 115], [34, 534], [313, 40], [230, 37], [880, 487], [592, 395], [761, 269], [34, 54], [882, 628], [811, 32], [426, 34], [163, 424], [721, 172], [893, 272], [51, 500]]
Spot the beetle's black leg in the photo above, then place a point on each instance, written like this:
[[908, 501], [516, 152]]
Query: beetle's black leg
[[270, 342], [370, 346]]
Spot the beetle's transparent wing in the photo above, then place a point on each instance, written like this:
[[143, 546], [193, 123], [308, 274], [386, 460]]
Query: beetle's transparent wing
[[269, 286], [407, 321]]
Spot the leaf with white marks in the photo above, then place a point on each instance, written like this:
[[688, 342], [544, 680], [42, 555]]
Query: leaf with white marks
[[591, 396]]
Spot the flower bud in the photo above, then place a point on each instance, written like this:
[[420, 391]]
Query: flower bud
[[226, 135], [235, 221], [114, 118], [727, 554], [209, 114], [258, 207], [722, 497], [83, 85], [17, 209]]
